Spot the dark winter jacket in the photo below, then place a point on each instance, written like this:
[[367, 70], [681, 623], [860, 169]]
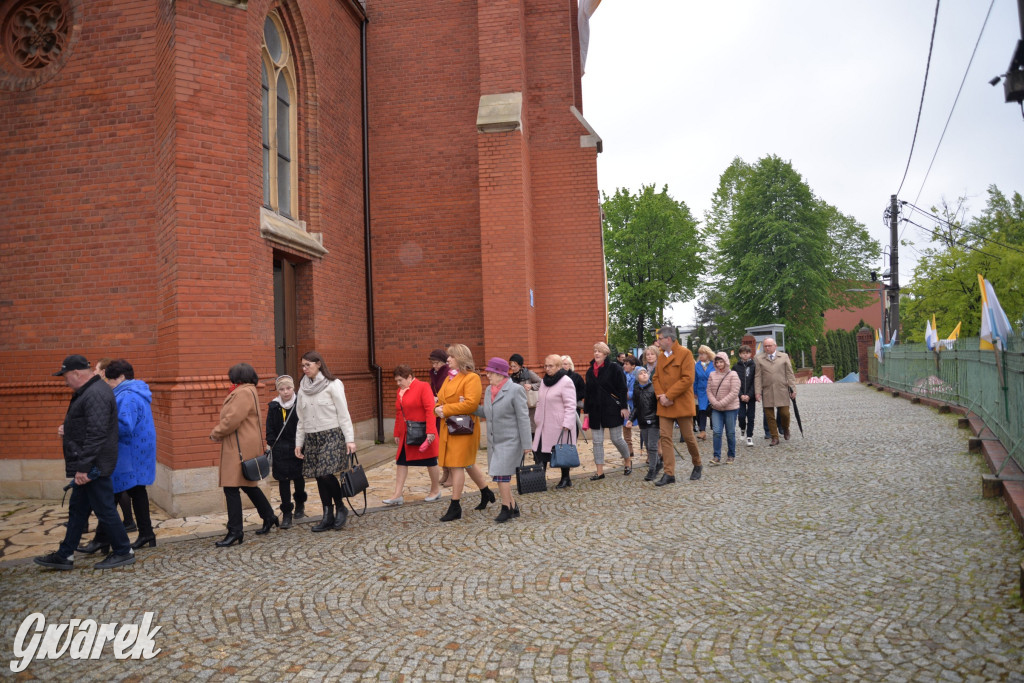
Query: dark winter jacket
[[284, 463], [581, 386], [645, 405], [605, 395], [746, 370], [90, 430]]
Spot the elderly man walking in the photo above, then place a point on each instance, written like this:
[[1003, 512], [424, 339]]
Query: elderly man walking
[[90, 455], [673, 385], [773, 383]]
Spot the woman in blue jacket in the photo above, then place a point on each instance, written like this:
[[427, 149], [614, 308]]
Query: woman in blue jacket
[[702, 370]]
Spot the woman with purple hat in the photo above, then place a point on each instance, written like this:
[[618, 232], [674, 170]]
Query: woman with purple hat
[[508, 432]]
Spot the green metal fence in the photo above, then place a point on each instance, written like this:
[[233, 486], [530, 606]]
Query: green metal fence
[[965, 375]]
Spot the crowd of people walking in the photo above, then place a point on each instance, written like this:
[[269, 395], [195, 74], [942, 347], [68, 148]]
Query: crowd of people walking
[[110, 441]]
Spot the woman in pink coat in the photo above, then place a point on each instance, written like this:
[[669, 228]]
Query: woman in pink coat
[[724, 399], [556, 414]]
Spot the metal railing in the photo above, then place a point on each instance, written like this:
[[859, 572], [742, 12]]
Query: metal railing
[[967, 376]]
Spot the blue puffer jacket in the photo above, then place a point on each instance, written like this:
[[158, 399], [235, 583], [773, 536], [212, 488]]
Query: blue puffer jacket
[[700, 383], [136, 443]]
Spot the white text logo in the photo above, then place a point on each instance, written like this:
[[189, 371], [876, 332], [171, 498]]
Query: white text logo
[[81, 639]]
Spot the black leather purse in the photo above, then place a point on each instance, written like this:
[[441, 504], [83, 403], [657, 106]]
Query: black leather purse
[[415, 432], [353, 482], [530, 478], [258, 468], [253, 469], [459, 425]]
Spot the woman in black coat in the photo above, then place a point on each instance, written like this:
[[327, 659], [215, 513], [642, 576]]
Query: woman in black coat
[[287, 469], [604, 407]]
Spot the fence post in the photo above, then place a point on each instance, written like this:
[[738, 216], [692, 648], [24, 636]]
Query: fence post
[[865, 346]]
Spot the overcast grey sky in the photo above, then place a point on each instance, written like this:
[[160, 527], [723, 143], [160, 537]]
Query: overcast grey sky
[[677, 89]]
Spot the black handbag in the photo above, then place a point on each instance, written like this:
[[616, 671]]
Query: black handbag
[[530, 478], [415, 432], [258, 468], [459, 425], [253, 469], [353, 482]]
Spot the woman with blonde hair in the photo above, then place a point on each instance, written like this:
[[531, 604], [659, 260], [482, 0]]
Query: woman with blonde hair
[[556, 414], [651, 359], [577, 381], [604, 406], [701, 372], [460, 396]]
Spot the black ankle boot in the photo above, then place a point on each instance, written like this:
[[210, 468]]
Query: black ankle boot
[[143, 540], [327, 521], [454, 512], [504, 515], [286, 520], [94, 546], [232, 538], [564, 483], [340, 516], [486, 497], [300, 510], [268, 524]]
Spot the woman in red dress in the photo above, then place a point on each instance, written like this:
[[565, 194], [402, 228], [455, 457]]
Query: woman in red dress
[[414, 404]]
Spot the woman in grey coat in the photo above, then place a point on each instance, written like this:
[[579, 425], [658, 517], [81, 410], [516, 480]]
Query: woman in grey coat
[[508, 432]]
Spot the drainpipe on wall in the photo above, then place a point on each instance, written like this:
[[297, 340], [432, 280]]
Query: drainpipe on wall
[[370, 332]]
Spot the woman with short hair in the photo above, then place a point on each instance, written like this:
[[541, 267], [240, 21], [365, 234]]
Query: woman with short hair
[[701, 372], [508, 432], [240, 434], [414, 404], [556, 414], [604, 407], [324, 439], [460, 395], [577, 381]]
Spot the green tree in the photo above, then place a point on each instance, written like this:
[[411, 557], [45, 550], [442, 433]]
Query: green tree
[[650, 246], [851, 253], [774, 256], [945, 281]]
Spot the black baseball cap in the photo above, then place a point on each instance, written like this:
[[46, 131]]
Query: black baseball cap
[[73, 362]]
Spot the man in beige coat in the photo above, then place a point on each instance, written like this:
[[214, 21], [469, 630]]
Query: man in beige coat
[[773, 384]]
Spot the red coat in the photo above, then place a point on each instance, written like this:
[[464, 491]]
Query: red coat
[[417, 405]]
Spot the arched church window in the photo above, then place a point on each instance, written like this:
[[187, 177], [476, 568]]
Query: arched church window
[[280, 172]]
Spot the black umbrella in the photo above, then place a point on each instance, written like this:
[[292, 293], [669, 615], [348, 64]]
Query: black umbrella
[[796, 411]]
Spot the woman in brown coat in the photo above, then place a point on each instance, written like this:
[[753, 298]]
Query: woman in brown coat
[[240, 434], [460, 395]]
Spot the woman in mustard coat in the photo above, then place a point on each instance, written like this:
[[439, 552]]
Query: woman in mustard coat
[[460, 395], [240, 432]]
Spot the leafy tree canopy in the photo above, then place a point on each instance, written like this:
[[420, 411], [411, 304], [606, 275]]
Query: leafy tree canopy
[[945, 281], [650, 246]]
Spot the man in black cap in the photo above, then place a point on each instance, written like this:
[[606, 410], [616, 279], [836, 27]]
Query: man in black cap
[[90, 454]]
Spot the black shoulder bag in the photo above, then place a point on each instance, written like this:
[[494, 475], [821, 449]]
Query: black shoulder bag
[[353, 482], [258, 468]]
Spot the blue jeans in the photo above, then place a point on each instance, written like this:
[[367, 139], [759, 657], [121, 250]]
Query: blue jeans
[[96, 496], [726, 419]]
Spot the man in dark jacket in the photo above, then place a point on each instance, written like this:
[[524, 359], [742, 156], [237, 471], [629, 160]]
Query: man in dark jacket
[[90, 455], [745, 368]]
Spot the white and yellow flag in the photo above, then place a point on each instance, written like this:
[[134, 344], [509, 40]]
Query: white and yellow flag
[[878, 347], [995, 326]]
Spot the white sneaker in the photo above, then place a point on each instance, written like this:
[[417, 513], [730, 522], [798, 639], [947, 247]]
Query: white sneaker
[[750, 441]]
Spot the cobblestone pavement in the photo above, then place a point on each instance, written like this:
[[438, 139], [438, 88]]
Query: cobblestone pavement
[[862, 552]]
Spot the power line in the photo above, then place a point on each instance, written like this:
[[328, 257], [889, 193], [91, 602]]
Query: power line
[[955, 226], [955, 100], [965, 246], [920, 107]]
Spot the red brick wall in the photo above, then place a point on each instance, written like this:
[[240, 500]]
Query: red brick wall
[[133, 183]]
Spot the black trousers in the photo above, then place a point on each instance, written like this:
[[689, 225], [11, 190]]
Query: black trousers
[[234, 502], [139, 499], [330, 491], [284, 487], [746, 417], [96, 496]]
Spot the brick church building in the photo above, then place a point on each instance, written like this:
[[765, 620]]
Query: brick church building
[[189, 184]]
